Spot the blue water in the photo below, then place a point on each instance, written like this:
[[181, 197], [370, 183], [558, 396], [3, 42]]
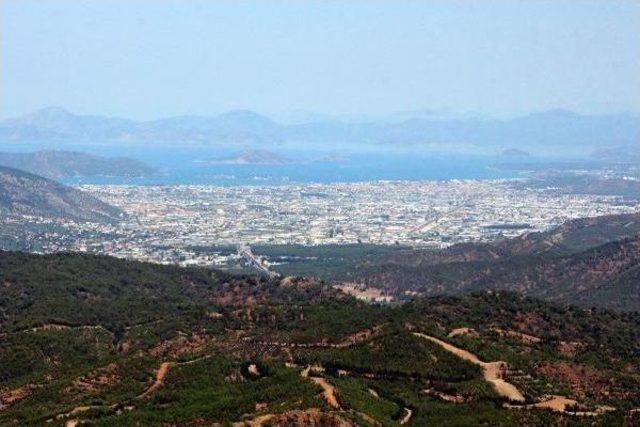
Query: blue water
[[183, 165]]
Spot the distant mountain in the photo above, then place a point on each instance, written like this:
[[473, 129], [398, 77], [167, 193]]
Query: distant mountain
[[558, 129], [234, 127], [22, 193], [248, 156], [58, 164], [56, 123], [239, 127]]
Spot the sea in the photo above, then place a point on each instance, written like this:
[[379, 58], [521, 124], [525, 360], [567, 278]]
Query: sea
[[192, 165]]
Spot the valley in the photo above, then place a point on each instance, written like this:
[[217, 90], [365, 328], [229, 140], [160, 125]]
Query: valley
[[319, 214]]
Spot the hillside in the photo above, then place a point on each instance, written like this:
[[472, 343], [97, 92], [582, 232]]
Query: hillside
[[104, 341], [569, 237], [606, 276], [587, 261], [22, 193], [56, 164]]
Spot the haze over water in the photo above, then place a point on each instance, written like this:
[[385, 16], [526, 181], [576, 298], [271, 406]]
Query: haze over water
[[178, 166]]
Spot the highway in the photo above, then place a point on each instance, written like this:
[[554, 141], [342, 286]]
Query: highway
[[253, 260]]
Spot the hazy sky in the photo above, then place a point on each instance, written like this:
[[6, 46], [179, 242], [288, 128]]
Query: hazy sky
[[146, 59]]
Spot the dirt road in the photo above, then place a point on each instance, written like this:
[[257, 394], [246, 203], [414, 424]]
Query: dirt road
[[161, 373], [406, 416], [329, 392], [491, 371]]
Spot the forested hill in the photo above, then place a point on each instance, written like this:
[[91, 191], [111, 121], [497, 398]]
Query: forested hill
[[102, 341], [606, 276], [569, 237], [22, 193]]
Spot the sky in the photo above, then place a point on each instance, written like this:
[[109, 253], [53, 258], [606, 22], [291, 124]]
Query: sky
[[146, 59]]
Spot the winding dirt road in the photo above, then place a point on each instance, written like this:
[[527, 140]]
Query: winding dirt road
[[491, 371], [406, 416], [328, 391], [161, 373]]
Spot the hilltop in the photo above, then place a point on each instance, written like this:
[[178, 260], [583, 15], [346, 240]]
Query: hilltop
[[22, 193], [606, 276]]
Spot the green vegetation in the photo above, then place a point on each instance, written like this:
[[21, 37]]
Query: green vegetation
[[326, 262], [203, 391], [137, 344], [397, 353]]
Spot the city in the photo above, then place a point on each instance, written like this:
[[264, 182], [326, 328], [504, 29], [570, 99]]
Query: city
[[164, 223]]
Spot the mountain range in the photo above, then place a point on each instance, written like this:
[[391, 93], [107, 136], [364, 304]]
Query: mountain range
[[557, 129], [22, 193]]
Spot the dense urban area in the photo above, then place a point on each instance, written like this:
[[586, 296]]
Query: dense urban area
[[163, 223]]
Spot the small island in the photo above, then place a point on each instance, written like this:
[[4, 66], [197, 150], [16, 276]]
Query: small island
[[251, 157]]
